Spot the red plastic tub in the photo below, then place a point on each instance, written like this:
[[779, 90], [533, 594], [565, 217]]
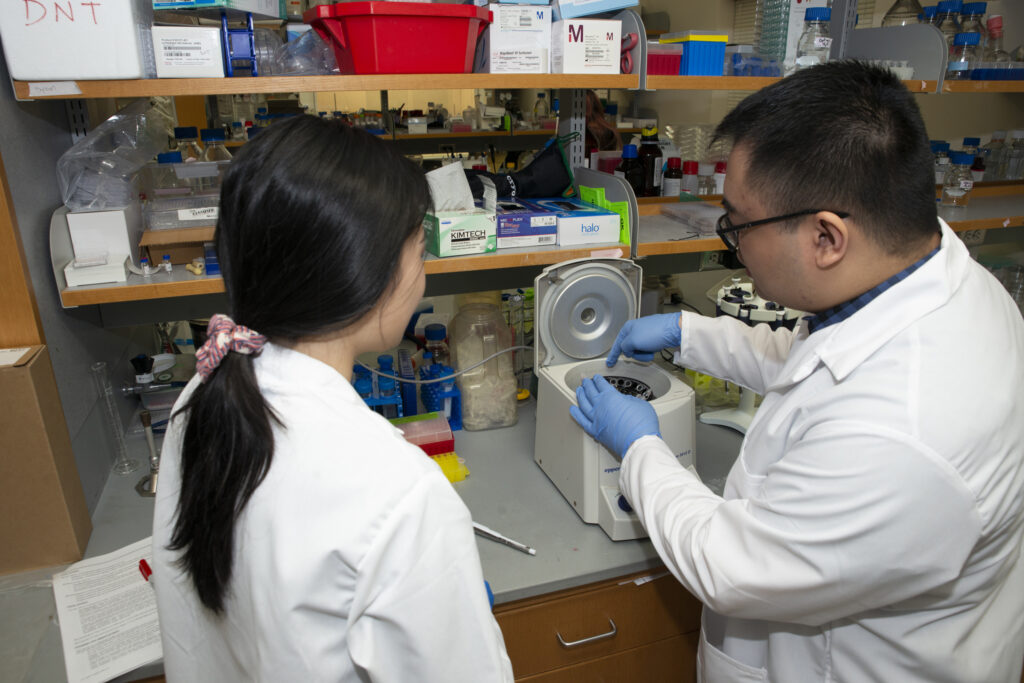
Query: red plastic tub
[[400, 37]]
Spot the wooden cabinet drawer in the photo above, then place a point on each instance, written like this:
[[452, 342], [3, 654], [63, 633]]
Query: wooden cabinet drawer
[[643, 612], [673, 660]]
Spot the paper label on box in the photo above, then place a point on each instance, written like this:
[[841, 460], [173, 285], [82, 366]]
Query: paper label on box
[[184, 51], [11, 356], [521, 19], [209, 212], [518, 60]]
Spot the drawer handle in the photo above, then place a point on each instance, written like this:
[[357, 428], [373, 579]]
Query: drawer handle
[[591, 639]]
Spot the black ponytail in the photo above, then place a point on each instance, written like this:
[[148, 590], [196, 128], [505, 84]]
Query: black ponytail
[[313, 217]]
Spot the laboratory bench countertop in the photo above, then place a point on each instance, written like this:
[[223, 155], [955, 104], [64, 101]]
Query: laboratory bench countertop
[[506, 491]]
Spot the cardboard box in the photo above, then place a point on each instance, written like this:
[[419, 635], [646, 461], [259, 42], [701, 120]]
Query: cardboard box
[[518, 40], [520, 225], [569, 9], [586, 46], [182, 244], [580, 223], [45, 517], [100, 233], [51, 41], [188, 52], [458, 233]]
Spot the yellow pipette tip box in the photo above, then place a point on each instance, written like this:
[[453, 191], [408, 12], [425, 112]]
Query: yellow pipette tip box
[[453, 468]]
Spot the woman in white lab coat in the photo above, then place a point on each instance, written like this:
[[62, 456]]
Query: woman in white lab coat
[[297, 536], [871, 529]]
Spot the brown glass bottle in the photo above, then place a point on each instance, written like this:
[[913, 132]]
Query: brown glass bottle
[[631, 170], [650, 158]]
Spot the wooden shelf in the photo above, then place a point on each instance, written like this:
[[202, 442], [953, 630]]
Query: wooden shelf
[[748, 83], [707, 82], [982, 86], [24, 90]]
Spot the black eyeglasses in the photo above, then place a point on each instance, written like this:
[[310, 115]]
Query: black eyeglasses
[[728, 232]]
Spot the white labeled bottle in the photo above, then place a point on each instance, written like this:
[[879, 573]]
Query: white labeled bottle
[[957, 186], [672, 181], [541, 110], [816, 40]]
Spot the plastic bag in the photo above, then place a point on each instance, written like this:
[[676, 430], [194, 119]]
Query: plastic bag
[[307, 55], [98, 172]]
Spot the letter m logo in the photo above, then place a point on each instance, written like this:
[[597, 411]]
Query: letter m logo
[[576, 33]]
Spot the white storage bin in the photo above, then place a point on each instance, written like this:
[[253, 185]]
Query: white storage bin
[[72, 40]]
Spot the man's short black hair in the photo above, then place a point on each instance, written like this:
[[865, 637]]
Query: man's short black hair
[[842, 136]]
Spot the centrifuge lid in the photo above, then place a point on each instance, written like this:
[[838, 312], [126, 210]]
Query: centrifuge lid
[[580, 306]]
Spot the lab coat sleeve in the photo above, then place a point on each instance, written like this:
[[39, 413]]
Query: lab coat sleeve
[[849, 520], [724, 347], [421, 611]]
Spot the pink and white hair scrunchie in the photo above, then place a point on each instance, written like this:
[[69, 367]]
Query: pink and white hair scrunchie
[[223, 335]]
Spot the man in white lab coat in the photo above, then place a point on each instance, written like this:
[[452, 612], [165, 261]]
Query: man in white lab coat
[[871, 528]]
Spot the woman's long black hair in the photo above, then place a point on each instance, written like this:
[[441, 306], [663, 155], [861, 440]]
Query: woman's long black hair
[[313, 218]]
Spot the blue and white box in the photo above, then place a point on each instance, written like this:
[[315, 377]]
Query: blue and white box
[[521, 225], [570, 9], [578, 222]]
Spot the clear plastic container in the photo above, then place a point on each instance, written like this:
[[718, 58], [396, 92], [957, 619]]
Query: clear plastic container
[[902, 13], [816, 40], [488, 390], [957, 186], [160, 180], [169, 213]]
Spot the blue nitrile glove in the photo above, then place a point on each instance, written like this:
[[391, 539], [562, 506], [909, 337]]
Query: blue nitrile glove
[[643, 337], [614, 419]]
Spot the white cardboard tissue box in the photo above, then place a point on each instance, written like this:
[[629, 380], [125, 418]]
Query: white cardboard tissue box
[[518, 40], [586, 46], [188, 52], [98, 233], [462, 232]]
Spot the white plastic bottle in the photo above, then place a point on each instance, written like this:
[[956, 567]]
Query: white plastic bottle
[[816, 40], [719, 176]]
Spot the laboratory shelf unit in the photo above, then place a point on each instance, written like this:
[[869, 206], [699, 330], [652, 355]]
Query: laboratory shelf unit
[[997, 206], [982, 86]]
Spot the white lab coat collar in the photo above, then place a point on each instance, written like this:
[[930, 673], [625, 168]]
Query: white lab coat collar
[[845, 345], [283, 371]]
